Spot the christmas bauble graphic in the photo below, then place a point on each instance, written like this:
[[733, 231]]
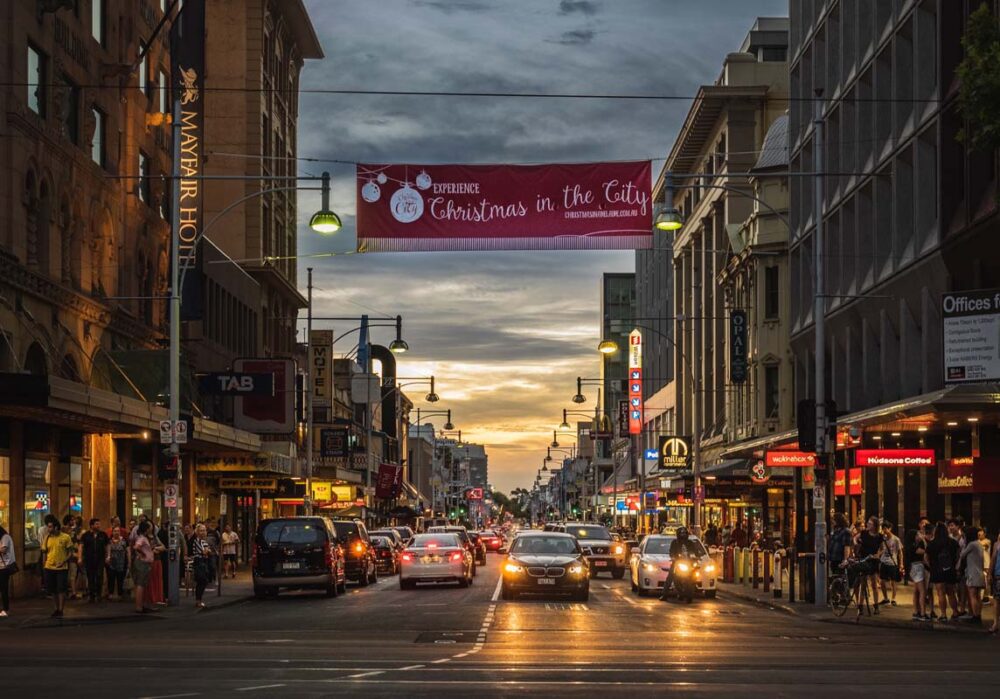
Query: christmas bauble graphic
[[423, 180], [371, 192], [406, 204], [382, 179]]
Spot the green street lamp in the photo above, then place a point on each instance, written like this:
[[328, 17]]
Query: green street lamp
[[325, 221]]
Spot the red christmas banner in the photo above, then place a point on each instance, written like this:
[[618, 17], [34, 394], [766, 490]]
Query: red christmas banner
[[590, 206]]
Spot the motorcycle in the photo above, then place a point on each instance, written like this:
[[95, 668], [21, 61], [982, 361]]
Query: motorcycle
[[684, 573]]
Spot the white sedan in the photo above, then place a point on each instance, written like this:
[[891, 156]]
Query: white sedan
[[653, 555], [439, 557]]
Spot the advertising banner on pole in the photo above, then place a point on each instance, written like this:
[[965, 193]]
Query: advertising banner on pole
[[267, 414], [635, 382], [584, 206], [386, 480], [971, 326]]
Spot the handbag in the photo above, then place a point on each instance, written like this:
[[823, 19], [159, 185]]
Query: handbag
[[11, 569]]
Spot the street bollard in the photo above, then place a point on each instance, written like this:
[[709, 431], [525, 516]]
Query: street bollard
[[767, 572], [778, 575], [729, 571], [755, 570], [791, 575], [738, 565], [746, 565]]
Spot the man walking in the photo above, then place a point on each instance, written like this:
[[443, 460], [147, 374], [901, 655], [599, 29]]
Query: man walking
[[59, 549], [890, 569], [93, 552]]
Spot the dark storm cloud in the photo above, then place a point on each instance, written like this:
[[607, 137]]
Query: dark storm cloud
[[505, 333]]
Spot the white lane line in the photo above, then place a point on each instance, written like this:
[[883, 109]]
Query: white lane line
[[411, 667], [362, 674], [260, 686], [172, 696], [496, 592], [438, 662], [606, 587]]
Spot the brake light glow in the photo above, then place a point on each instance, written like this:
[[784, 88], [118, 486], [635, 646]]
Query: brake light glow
[[432, 545], [456, 556], [407, 556], [359, 547]]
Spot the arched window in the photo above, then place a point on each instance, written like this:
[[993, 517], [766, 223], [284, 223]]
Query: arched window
[[43, 224], [35, 361], [30, 202], [68, 369]]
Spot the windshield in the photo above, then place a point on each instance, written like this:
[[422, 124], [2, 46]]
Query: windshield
[[590, 532], [545, 544], [437, 541], [293, 533], [346, 531], [661, 546], [381, 542]]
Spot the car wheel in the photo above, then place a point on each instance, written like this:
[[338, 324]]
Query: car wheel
[[593, 572], [710, 594], [331, 590], [582, 596], [342, 586], [405, 584], [363, 578], [259, 592], [618, 573], [506, 594], [463, 582], [474, 569], [643, 592], [374, 575], [634, 586]]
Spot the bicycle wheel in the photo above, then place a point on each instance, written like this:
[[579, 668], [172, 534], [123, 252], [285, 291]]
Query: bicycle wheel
[[840, 596]]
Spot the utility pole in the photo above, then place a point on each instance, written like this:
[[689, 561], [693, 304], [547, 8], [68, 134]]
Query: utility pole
[[819, 314], [307, 499], [173, 556]]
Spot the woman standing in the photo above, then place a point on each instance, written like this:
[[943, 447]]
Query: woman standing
[[941, 557], [230, 540], [117, 563], [202, 553], [142, 563], [972, 556], [8, 566], [995, 584], [154, 588], [916, 547]]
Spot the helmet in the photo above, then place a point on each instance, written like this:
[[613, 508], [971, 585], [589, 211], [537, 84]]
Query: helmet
[[682, 533]]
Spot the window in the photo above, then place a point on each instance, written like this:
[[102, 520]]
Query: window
[[775, 54], [69, 108], [144, 69], [772, 392], [143, 189], [164, 91], [772, 292], [165, 207], [5, 492], [97, 146], [36, 81], [97, 21]]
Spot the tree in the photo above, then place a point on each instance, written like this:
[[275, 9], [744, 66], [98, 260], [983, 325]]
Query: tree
[[979, 93]]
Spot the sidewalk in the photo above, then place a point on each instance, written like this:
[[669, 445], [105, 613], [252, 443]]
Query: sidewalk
[[35, 612], [888, 616]]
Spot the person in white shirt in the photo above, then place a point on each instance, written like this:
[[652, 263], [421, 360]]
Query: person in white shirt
[[230, 539]]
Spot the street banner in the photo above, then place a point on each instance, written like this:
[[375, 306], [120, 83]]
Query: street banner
[[267, 414], [585, 206], [386, 480], [971, 327], [847, 481], [187, 55], [895, 458], [788, 458]]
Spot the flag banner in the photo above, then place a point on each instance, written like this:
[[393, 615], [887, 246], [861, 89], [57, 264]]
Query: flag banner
[[591, 206]]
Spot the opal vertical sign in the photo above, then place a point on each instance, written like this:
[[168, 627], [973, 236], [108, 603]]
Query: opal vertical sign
[[738, 346], [187, 55], [635, 382]]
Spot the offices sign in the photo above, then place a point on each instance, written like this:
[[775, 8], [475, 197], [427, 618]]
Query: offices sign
[[971, 327]]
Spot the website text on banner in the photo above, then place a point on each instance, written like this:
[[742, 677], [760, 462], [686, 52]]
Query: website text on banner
[[590, 206]]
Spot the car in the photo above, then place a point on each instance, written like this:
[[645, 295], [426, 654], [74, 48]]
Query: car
[[391, 534], [479, 548], [386, 554], [545, 562], [359, 554], [405, 533], [463, 536], [494, 541], [647, 565], [299, 553], [435, 557], [603, 553]]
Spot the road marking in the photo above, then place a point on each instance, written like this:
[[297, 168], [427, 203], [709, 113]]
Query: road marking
[[260, 686], [496, 592], [438, 662], [171, 696], [606, 587], [412, 667], [354, 677]]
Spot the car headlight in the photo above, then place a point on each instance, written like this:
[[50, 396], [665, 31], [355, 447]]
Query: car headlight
[[619, 550], [683, 567], [575, 570], [649, 567], [513, 568], [710, 568]]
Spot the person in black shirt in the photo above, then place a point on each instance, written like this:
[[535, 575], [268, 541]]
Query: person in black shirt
[[941, 556], [868, 550], [93, 549]]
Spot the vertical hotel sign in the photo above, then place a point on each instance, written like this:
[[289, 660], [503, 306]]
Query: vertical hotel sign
[[187, 55], [635, 382]]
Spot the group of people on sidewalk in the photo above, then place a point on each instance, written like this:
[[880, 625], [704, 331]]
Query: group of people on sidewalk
[[75, 561], [955, 563]]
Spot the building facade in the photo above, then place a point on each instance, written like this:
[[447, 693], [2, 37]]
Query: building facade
[[911, 214]]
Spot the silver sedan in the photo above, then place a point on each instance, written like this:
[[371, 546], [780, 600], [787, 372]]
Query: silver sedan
[[438, 557]]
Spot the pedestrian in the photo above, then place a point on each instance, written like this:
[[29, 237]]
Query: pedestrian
[[984, 541], [230, 540], [839, 547], [154, 586], [739, 536], [70, 529], [975, 582], [202, 552], [712, 535], [142, 564], [914, 551], [942, 559], [890, 570], [42, 538], [995, 584], [869, 552], [59, 550], [116, 559], [8, 566], [93, 555], [956, 530]]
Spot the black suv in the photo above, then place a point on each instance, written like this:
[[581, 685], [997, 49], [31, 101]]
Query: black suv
[[359, 554], [297, 552]]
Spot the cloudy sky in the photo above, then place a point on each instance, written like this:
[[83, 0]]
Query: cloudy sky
[[504, 333]]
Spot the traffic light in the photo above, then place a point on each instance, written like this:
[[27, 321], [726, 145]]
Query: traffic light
[[805, 420]]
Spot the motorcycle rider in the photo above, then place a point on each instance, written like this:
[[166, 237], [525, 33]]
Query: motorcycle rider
[[680, 548]]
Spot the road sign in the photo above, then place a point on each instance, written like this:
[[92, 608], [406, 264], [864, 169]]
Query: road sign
[[166, 433], [819, 497], [170, 492], [181, 432]]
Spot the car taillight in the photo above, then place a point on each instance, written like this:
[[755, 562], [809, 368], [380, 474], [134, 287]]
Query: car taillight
[[328, 553], [253, 557], [456, 556], [407, 556], [359, 548]]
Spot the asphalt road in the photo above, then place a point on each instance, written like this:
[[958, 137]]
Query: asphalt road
[[449, 642]]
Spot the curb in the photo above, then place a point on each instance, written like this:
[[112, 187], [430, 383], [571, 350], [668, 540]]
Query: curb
[[870, 622], [47, 622]]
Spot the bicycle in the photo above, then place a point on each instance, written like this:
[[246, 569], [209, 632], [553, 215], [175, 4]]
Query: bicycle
[[851, 585]]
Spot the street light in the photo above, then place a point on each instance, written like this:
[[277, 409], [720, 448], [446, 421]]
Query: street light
[[579, 397], [398, 346], [325, 221], [555, 440], [607, 347], [669, 219]]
